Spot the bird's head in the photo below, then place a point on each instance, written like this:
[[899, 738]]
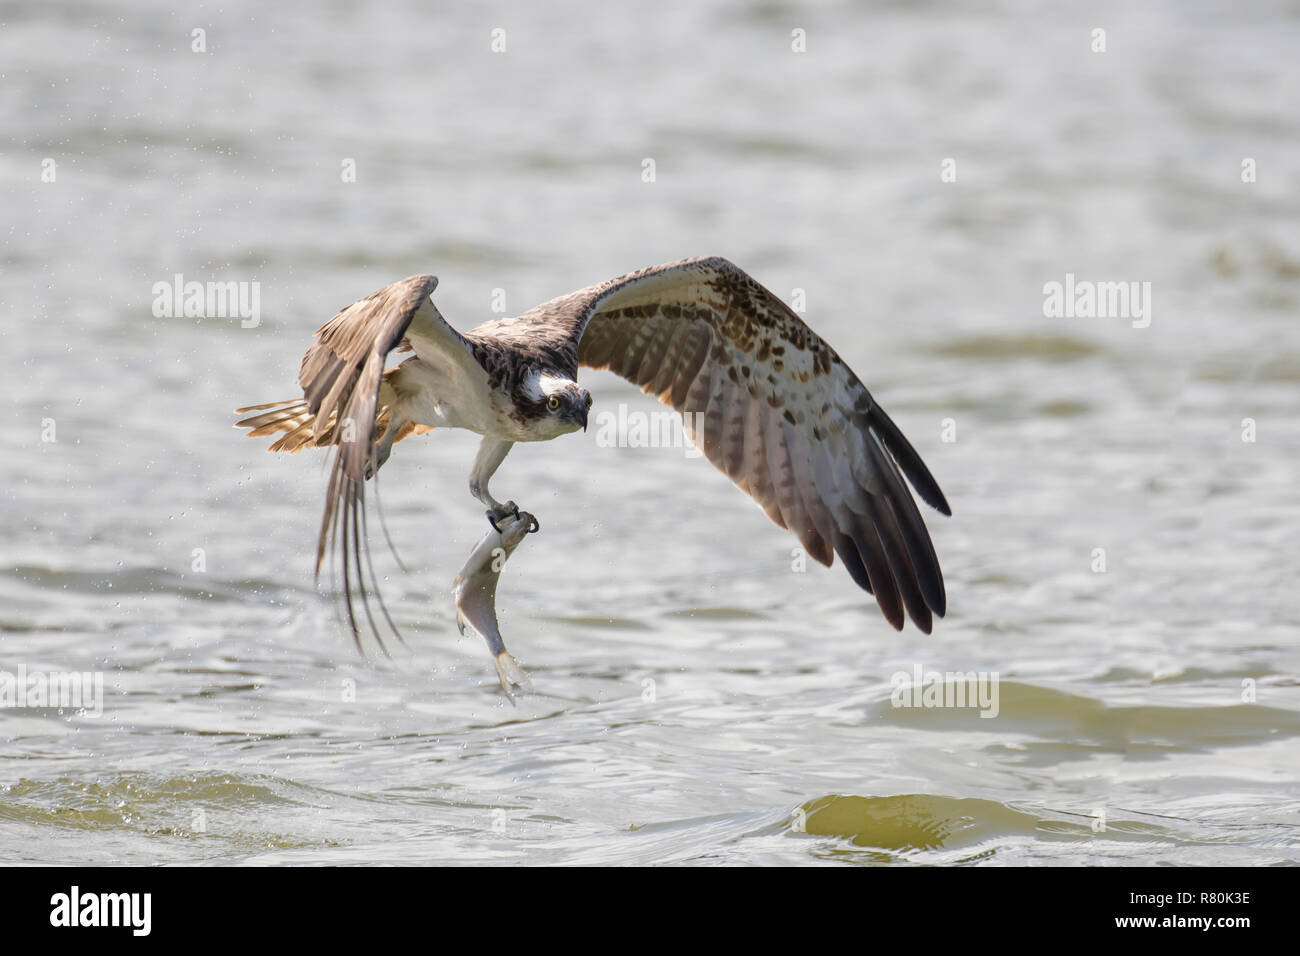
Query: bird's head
[[565, 403]]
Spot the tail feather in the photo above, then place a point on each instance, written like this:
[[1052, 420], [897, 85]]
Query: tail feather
[[294, 418], [303, 435], [284, 410]]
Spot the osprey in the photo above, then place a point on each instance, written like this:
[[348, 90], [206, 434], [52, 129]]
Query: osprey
[[768, 401]]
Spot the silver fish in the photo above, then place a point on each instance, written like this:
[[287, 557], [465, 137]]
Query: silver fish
[[476, 594]]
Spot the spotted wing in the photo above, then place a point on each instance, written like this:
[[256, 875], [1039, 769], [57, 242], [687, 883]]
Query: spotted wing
[[775, 408]]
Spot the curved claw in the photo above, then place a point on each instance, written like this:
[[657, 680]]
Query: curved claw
[[507, 510], [534, 525]]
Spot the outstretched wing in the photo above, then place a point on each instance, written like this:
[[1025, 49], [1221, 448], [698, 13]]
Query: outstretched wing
[[775, 408], [340, 378]]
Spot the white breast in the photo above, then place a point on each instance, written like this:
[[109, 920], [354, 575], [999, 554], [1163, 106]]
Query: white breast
[[446, 397]]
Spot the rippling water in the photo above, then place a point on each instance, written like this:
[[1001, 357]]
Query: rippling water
[[697, 701]]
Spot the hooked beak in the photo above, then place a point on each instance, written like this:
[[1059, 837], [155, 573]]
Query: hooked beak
[[582, 417]]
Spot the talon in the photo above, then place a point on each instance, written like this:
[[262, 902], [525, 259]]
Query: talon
[[534, 525], [507, 510]]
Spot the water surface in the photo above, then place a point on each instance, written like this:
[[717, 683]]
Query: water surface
[[698, 700]]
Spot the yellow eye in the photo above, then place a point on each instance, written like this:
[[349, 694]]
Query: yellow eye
[[589, 401], [553, 404]]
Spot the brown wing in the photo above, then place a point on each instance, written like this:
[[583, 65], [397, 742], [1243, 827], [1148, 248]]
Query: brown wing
[[341, 376], [776, 409]]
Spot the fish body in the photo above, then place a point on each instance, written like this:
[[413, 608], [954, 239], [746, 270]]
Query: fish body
[[475, 589]]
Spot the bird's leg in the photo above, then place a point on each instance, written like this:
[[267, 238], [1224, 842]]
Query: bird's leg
[[491, 452]]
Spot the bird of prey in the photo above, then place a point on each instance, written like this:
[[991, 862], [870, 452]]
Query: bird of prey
[[767, 400]]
